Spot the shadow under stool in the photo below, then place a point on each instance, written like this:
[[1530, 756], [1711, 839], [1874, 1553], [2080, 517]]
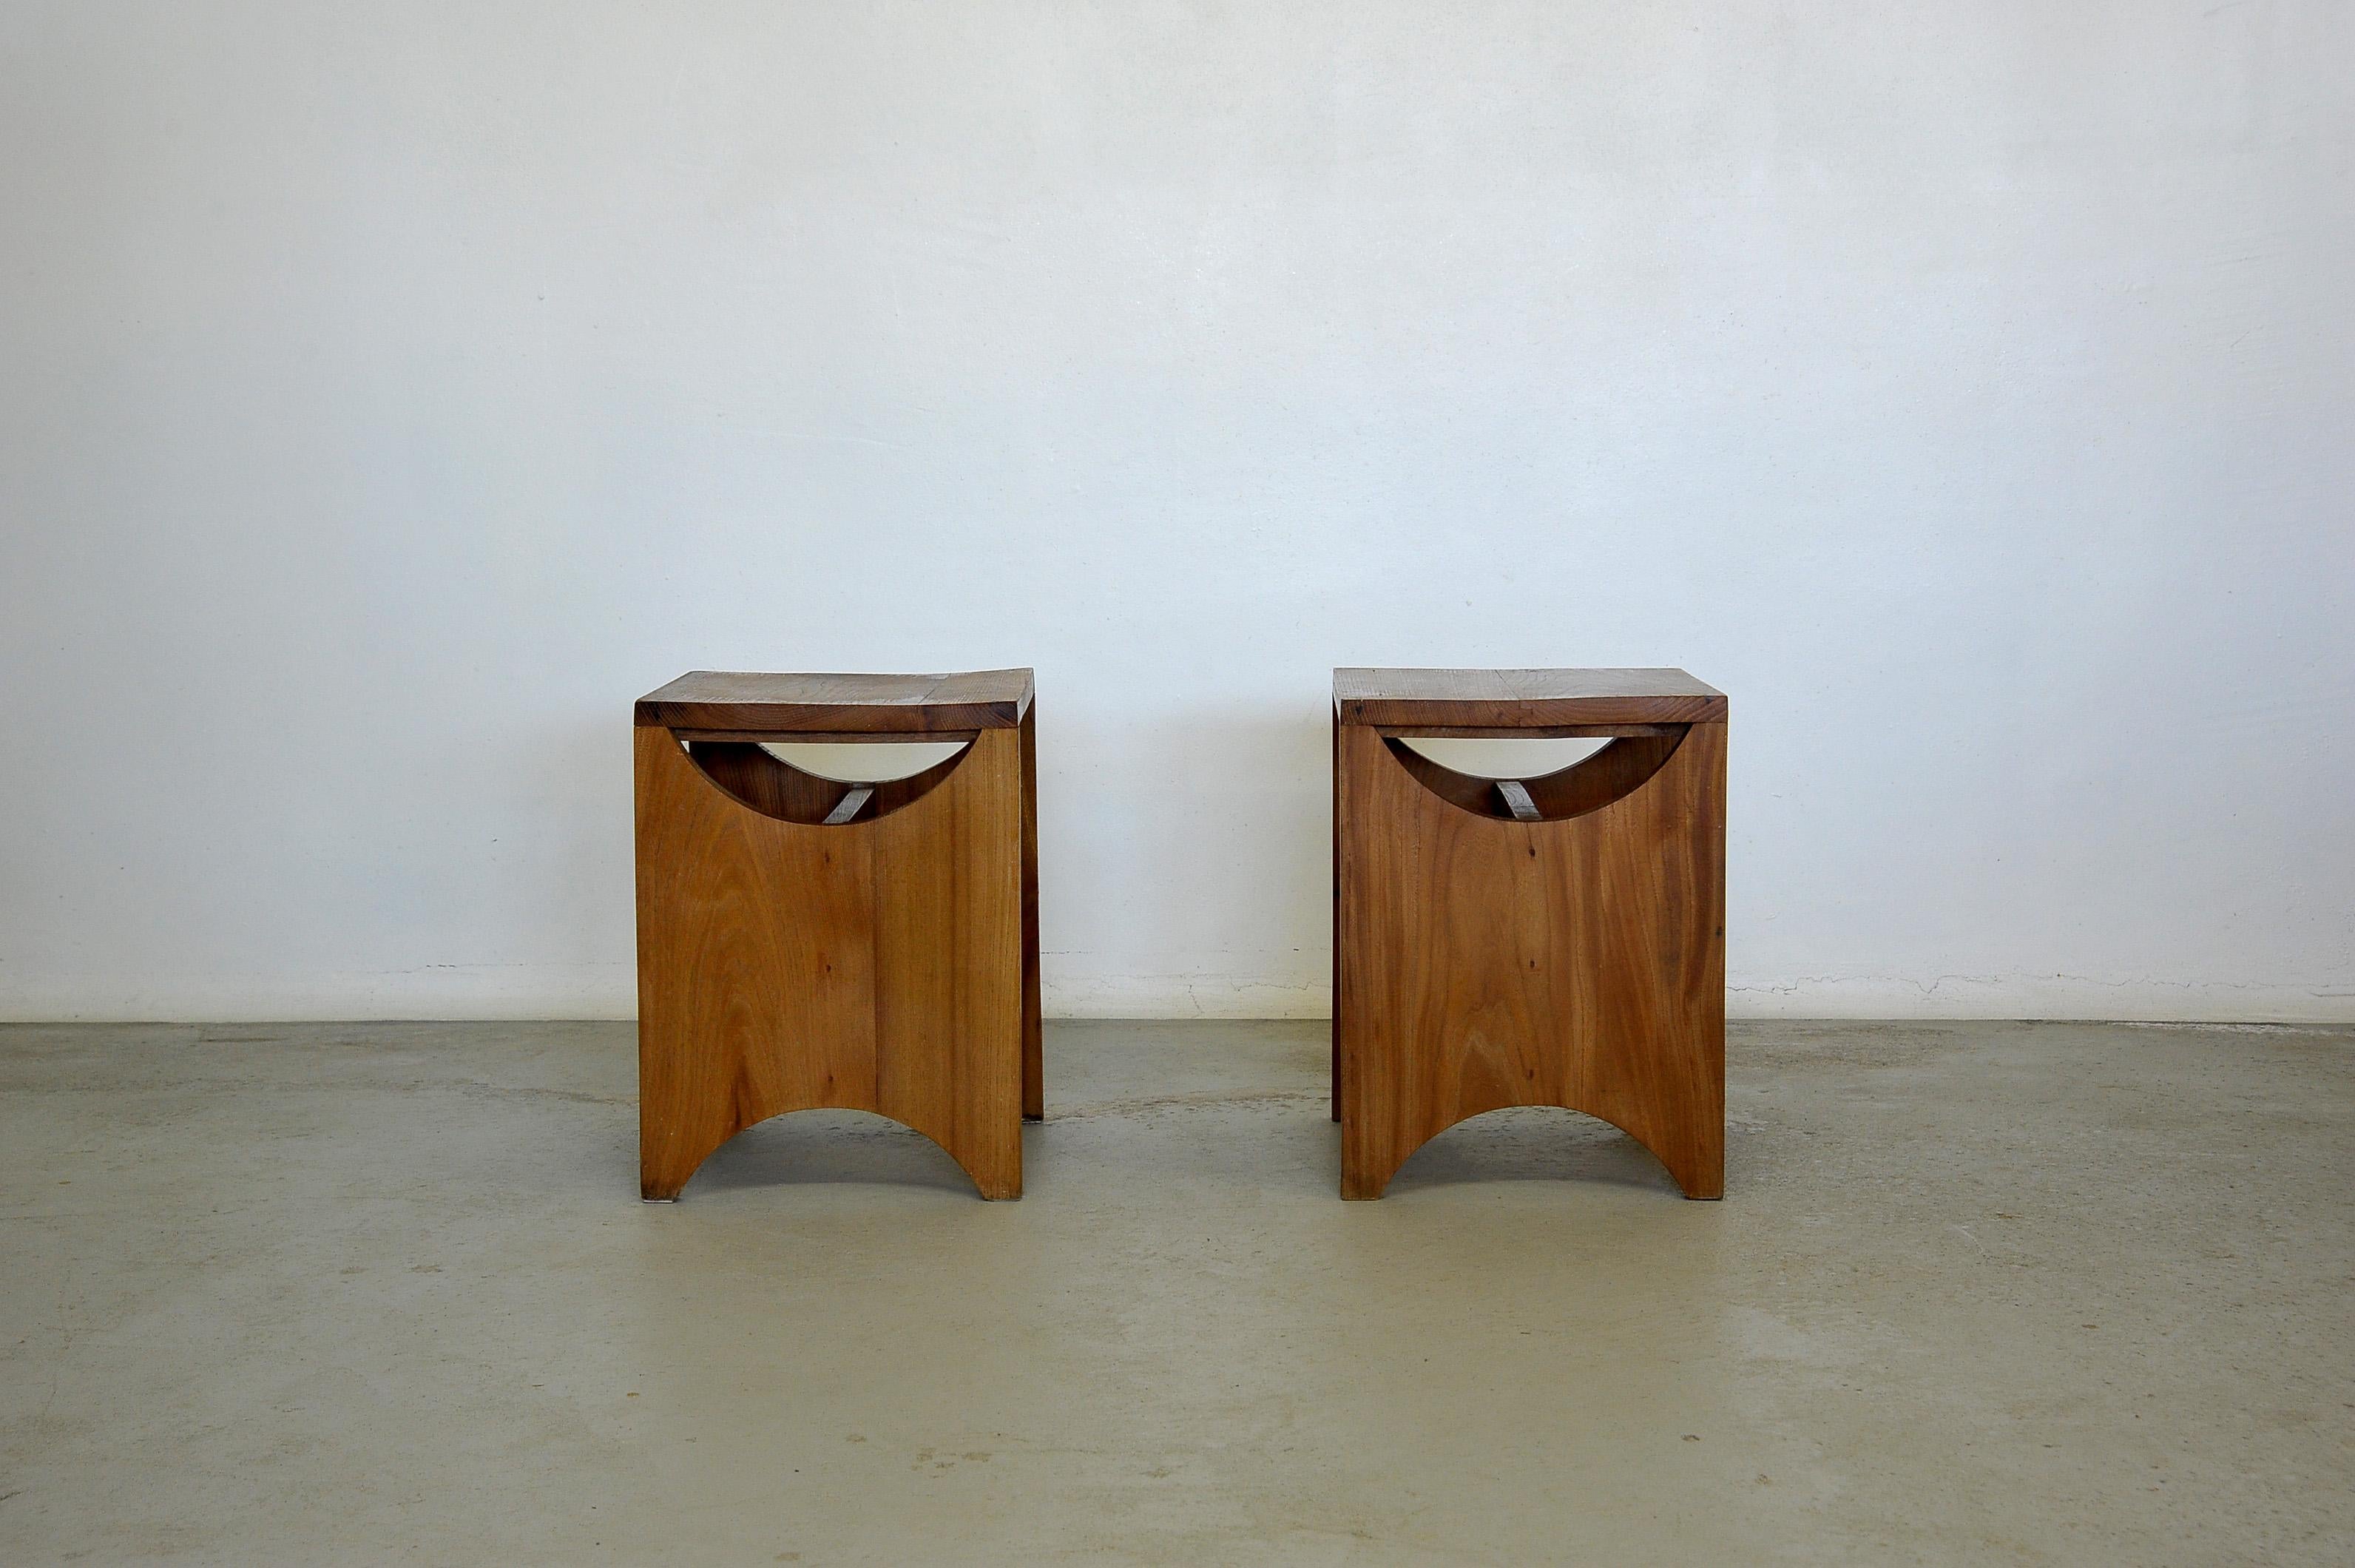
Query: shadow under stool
[[1550, 941], [807, 942]]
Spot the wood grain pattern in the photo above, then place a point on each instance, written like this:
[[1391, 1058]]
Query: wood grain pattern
[[780, 706], [1521, 701], [1483, 962], [784, 965]]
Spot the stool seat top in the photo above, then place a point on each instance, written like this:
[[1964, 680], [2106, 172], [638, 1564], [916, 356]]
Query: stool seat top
[[1522, 699], [740, 703]]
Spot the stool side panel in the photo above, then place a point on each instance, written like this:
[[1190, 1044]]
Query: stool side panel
[[785, 967], [1485, 963]]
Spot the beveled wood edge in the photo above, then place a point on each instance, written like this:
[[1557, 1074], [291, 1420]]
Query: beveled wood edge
[[1523, 731], [1507, 683], [831, 737], [837, 720], [1553, 719]]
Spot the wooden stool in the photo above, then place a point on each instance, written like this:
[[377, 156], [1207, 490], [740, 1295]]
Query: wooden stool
[[1550, 941], [807, 942]]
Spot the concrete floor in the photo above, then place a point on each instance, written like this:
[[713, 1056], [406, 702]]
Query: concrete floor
[[1979, 1293]]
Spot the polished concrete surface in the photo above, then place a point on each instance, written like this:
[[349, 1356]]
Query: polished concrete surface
[[1988, 1292]]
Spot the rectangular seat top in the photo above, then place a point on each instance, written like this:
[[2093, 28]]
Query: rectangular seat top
[[1522, 699], [732, 702]]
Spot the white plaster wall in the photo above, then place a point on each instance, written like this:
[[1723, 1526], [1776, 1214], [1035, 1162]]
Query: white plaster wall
[[390, 394]]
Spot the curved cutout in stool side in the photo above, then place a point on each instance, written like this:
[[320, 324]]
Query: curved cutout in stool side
[[686, 1159], [1617, 771], [827, 1146], [1689, 1169], [878, 964], [775, 788]]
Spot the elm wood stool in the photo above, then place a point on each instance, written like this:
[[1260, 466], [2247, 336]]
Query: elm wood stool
[[1549, 941], [804, 942]]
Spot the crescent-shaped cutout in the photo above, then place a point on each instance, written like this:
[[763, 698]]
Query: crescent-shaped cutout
[[854, 1146], [1613, 774], [1634, 1136], [760, 781]]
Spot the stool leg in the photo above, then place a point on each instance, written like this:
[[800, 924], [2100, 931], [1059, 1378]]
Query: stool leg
[[1577, 962], [992, 1157], [1034, 1072], [1701, 1175], [1363, 1099], [669, 1153], [1336, 1029], [1683, 1124]]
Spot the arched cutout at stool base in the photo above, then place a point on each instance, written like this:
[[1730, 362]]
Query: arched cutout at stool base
[[665, 1173], [1698, 1180]]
